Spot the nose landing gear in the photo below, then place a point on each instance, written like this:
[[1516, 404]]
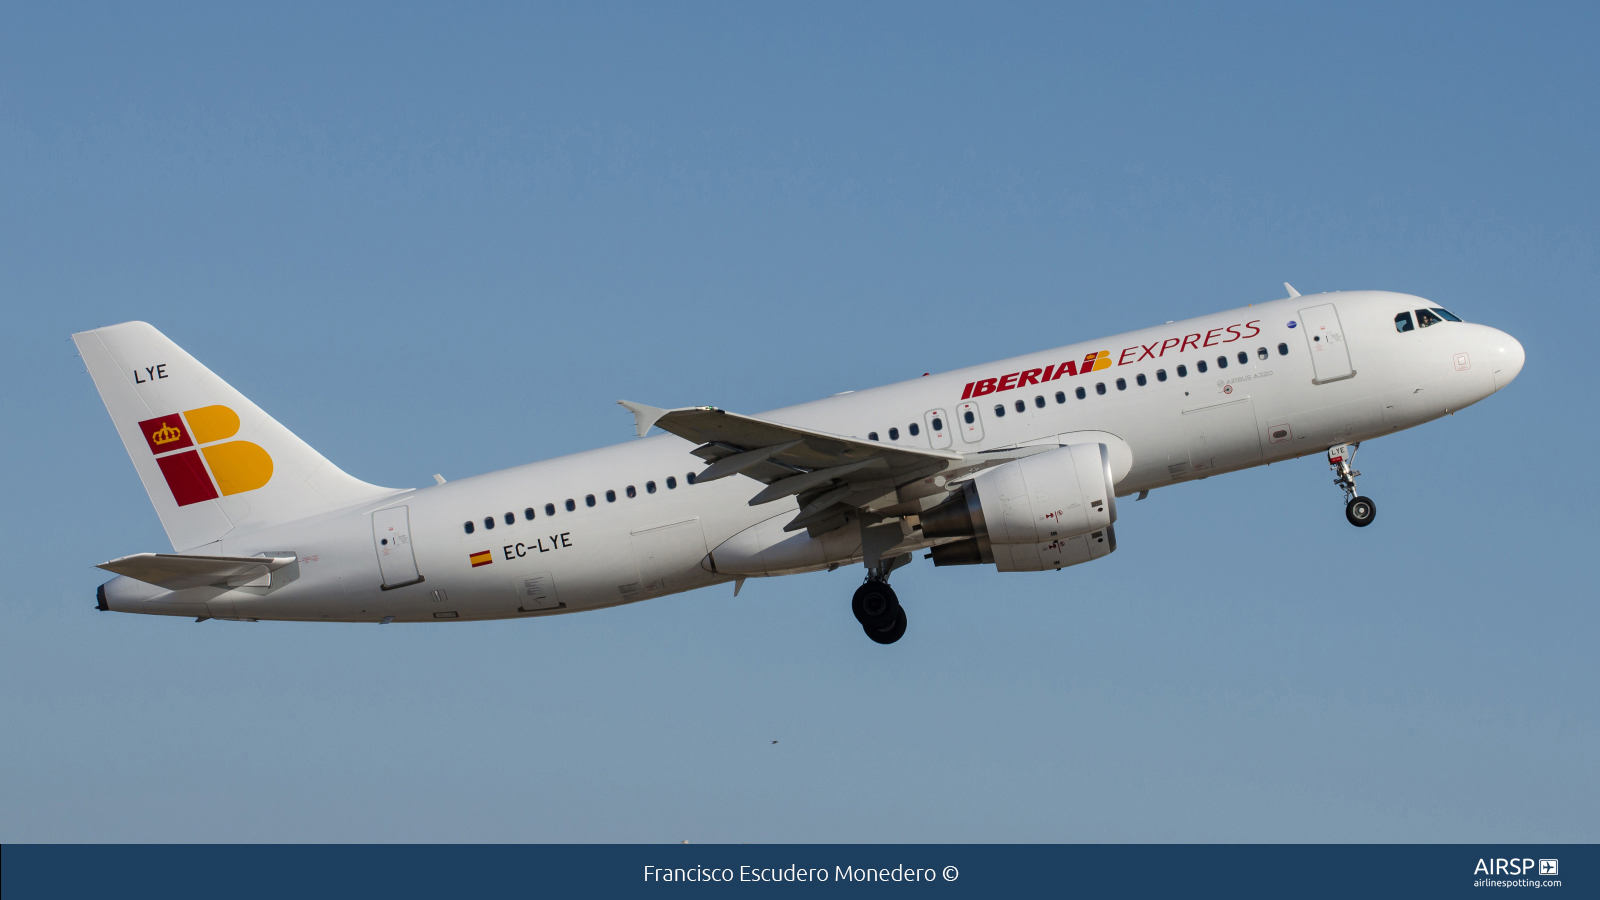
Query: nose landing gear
[[1358, 510]]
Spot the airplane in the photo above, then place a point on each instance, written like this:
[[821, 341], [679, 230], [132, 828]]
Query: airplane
[[1016, 464]]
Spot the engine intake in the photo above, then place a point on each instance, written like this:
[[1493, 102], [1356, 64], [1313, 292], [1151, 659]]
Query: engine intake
[[1046, 511]]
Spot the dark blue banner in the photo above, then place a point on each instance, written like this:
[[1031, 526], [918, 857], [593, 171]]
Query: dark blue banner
[[210, 871]]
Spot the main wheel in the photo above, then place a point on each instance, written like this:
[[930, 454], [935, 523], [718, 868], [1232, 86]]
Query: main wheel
[[874, 604], [890, 633], [1361, 511]]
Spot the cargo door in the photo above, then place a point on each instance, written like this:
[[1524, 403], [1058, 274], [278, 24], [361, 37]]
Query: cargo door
[[391, 537], [1222, 436], [669, 557], [1330, 355], [938, 425]]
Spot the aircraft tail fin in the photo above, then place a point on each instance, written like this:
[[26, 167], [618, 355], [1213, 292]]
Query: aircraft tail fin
[[211, 461]]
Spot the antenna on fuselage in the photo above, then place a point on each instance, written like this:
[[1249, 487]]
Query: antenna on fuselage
[[1290, 288]]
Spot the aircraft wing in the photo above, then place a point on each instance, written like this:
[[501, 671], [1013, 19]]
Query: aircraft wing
[[176, 571], [830, 473]]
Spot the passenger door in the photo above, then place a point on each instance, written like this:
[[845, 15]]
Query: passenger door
[[1330, 356], [938, 425], [391, 537]]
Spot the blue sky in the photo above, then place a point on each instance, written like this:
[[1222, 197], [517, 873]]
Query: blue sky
[[447, 238]]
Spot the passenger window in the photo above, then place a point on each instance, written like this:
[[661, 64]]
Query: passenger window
[[511, 518], [1061, 396], [571, 505], [1222, 362], [649, 487], [588, 500], [528, 514], [672, 483], [1100, 388], [999, 410], [488, 523], [1141, 379], [1445, 313], [871, 436], [1261, 353], [1183, 371], [1283, 349], [1161, 374], [1021, 406], [631, 492], [1122, 384], [549, 509], [968, 416], [1198, 367], [913, 429], [1081, 393], [689, 477], [938, 424], [468, 527], [1243, 357], [611, 496], [894, 434], [1402, 322], [1425, 318], [1039, 401]]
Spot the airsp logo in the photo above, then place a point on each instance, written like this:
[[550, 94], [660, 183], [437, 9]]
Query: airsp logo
[[1516, 867]]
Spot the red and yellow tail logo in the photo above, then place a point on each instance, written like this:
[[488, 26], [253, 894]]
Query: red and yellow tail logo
[[216, 469]]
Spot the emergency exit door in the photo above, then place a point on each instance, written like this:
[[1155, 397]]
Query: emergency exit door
[[970, 422], [391, 537], [1330, 355]]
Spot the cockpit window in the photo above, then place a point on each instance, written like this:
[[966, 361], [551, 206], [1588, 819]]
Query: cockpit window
[[1402, 322], [1426, 318], [1446, 313]]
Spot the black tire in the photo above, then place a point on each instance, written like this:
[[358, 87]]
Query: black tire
[[1361, 511], [890, 633], [875, 605]]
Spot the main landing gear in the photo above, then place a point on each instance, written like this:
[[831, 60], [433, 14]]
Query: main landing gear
[[879, 612], [1358, 510]]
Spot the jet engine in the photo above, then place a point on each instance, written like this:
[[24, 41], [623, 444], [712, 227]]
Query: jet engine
[[1046, 511]]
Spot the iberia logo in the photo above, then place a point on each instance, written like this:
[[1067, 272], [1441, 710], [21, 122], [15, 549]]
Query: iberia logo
[[212, 470], [1092, 362]]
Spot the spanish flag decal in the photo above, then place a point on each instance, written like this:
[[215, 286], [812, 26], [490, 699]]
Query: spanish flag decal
[[481, 558]]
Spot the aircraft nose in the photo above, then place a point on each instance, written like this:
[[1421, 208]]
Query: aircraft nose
[[1507, 356]]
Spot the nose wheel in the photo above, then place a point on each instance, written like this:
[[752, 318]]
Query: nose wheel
[[878, 610], [1358, 510]]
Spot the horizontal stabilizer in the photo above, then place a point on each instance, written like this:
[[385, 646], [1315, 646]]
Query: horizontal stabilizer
[[176, 571]]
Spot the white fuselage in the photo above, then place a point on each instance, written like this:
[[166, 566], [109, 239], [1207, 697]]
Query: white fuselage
[[645, 543]]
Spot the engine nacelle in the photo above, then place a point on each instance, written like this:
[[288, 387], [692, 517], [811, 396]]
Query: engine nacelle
[[1045, 511], [1057, 554]]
